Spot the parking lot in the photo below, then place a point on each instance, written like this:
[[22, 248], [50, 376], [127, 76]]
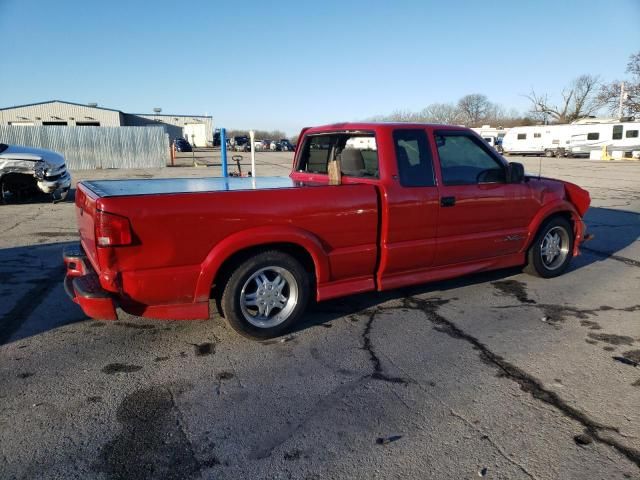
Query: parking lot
[[498, 375]]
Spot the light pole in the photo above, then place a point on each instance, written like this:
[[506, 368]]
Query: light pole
[[252, 137]]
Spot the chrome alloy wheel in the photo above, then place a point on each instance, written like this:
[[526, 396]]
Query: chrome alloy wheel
[[554, 248], [268, 297]]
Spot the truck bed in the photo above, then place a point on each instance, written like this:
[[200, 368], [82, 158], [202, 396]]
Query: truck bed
[[179, 225], [155, 186]]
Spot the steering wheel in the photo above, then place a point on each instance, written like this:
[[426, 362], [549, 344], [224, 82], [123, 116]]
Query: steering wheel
[[484, 175]]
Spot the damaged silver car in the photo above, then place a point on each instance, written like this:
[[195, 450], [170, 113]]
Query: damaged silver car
[[25, 171]]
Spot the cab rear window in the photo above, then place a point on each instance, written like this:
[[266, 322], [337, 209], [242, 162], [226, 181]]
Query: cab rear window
[[357, 152]]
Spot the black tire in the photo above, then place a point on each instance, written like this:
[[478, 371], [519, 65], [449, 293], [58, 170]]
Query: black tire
[[542, 265], [5, 193], [245, 282], [549, 153], [3, 200]]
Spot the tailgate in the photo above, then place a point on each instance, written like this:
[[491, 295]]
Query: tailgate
[[85, 215]]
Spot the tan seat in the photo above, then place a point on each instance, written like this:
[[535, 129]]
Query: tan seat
[[352, 162]]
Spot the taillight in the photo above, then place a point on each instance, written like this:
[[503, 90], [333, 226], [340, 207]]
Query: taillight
[[112, 230]]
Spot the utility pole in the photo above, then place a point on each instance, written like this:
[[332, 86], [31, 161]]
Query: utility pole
[[622, 95]]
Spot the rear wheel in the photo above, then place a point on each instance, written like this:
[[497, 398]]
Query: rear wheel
[[552, 249], [266, 295], [549, 153]]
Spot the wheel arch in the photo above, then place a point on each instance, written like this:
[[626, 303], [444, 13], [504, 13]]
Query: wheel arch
[[301, 244], [560, 209]]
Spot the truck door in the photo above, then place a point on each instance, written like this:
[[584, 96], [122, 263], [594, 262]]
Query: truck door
[[410, 206], [481, 216]]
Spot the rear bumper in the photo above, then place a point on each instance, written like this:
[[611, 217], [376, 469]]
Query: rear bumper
[[83, 287]]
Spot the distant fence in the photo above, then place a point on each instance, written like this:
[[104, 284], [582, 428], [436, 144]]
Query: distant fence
[[88, 148]]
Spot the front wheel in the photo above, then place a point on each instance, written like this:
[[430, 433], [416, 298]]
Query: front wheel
[[266, 295], [552, 249], [5, 194]]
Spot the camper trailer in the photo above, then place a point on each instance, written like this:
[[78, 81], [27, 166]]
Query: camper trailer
[[615, 136], [492, 135], [548, 140]]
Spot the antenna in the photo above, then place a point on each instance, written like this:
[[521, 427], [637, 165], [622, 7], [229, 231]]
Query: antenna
[[539, 167]]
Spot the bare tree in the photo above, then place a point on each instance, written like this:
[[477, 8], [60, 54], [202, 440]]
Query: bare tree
[[610, 93], [445, 113], [579, 99], [478, 111], [474, 108], [259, 134], [402, 116], [406, 116]]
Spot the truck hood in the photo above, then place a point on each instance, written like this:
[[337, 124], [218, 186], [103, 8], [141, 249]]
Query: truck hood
[[577, 196], [52, 160], [40, 163]]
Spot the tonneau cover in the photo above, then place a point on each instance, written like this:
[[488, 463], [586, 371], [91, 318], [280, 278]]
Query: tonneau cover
[[154, 186]]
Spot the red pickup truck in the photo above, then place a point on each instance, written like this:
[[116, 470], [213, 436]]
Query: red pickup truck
[[415, 203]]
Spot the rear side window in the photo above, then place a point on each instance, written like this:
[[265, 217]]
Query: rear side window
[[317, 150], [617, 132], [415, 164], [357, 152], [632, 134], [593, 136], [537, 135], [522, 136], [464, 161]]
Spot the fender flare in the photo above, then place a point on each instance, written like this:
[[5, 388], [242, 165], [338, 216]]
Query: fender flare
[[255, 237], [559, 206]]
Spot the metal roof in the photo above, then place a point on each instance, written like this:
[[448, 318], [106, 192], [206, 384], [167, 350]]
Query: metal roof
[[153, 114], [61, 101], [103, 108]]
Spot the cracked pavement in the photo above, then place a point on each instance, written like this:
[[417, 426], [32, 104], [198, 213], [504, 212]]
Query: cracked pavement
[[499, 375]]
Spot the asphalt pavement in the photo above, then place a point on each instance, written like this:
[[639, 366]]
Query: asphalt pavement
[[499, 375]]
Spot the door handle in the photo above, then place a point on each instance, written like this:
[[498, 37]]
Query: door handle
[[447, 201]]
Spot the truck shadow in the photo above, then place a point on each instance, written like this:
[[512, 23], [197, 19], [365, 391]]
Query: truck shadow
[[614, 230], [32, 298]]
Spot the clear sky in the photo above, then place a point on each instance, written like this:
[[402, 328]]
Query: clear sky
[[288, 64]]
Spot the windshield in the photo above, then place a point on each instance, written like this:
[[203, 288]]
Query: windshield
[[3, 147]]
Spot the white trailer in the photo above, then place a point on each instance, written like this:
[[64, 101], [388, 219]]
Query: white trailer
[[492, 135], [362, 143], [615, 136], [548, 140]]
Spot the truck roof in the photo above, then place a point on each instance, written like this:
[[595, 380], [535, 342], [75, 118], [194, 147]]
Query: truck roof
[[379, 125]]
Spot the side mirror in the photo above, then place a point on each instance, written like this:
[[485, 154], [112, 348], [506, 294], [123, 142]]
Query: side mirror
[[516, 172]]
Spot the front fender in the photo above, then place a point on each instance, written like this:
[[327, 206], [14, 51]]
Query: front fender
[[558, 206], [255, 237]]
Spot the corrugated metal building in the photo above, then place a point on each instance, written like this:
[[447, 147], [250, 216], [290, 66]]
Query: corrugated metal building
[[197, 129]]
